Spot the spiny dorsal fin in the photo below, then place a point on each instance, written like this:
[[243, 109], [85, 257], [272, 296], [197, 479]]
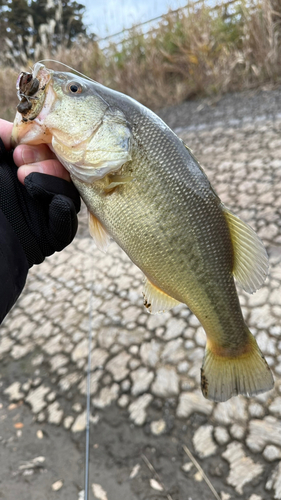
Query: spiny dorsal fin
[[98, 233], [155, 300], [250, 257]]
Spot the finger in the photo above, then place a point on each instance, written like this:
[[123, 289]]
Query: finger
[[5, 132], [24, 154], [50, 167], [62, 220]]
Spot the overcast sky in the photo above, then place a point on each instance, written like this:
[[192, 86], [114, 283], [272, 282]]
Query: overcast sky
[[106, 17]]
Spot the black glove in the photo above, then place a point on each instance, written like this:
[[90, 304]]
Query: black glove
[[42, 213]]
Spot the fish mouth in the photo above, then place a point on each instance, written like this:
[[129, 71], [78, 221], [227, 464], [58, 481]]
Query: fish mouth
[[33, 96], [31, 91]]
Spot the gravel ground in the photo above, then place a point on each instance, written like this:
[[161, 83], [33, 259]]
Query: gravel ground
[[147, 410]]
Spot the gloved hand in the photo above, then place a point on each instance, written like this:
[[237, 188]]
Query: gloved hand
[[42, 213]]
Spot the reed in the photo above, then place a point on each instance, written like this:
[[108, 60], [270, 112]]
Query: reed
[[192, 53]]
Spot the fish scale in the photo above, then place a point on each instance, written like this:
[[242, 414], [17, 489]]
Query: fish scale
[[144, 188]]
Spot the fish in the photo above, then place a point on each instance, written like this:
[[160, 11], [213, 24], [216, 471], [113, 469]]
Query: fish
[[145, 189]]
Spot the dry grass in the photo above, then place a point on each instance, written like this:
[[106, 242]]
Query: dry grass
[[8, 97], [191, 53]]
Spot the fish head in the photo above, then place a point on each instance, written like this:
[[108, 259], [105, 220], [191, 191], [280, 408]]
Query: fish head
[[89, 136]]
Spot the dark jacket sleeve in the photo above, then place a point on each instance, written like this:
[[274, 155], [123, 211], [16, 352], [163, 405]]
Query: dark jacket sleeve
[[13, 267]]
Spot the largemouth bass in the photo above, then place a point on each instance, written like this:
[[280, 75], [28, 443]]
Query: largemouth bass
[[144, 188]]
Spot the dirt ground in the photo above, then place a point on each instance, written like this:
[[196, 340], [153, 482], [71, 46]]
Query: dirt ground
[[116, 449]]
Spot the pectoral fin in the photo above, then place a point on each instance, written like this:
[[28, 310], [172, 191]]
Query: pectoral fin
[[250, 257], [98, 233], [117, 180], [155, 300]]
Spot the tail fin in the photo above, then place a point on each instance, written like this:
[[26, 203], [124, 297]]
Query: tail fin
[[223, 377]]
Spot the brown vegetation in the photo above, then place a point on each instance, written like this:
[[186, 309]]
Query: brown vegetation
[[194, 52]]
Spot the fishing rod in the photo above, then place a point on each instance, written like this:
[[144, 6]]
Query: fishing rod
[[88, 396]]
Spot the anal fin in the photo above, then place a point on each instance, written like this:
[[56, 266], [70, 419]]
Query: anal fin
[[155, 300], [250, 257], [98, 233]]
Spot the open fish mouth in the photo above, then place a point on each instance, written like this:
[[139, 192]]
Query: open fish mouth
[[31, 91], [35, 103]]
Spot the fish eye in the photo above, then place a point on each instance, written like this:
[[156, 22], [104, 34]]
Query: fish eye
[[75, 88]]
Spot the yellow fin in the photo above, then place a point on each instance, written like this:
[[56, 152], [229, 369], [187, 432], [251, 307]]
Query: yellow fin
[[223, 377], [98, 233], [117, 180], [250, 256], [155, 300]]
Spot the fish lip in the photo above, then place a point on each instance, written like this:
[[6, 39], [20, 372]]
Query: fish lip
[[34, 118], [31, 91]]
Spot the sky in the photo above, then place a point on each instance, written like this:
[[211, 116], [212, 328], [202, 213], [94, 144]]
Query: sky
[[106, 17]]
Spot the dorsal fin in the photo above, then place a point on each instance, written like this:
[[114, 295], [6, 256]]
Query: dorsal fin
[[250, 256], [155, 300], [98, 233]]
